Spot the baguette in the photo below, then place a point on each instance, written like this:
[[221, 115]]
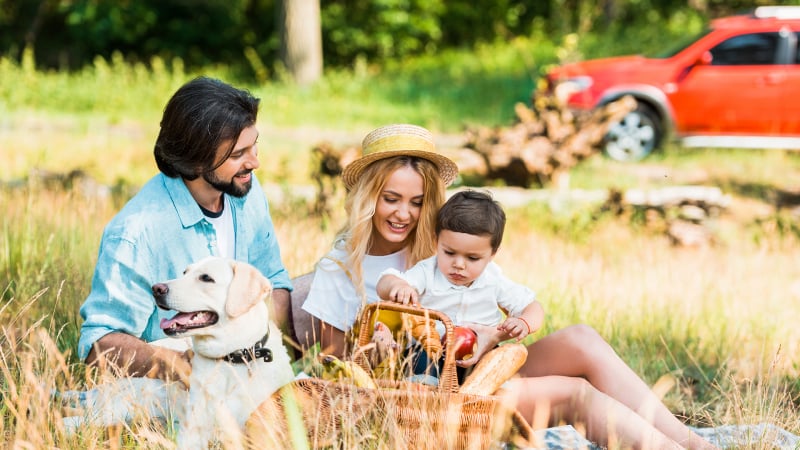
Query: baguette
[[494, 369]]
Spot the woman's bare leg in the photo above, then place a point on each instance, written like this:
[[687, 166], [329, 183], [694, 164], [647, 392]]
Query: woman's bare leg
[[548, 400], [578, 351]]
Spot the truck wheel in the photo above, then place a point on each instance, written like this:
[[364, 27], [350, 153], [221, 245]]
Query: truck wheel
[[635, 136]]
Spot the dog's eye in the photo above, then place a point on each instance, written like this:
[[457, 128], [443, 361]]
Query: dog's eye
[[206, 279]]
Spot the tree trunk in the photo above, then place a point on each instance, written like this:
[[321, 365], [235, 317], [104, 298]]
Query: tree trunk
[[301, 39]]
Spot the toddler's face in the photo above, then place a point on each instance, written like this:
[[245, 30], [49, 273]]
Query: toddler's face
[[461, 257]]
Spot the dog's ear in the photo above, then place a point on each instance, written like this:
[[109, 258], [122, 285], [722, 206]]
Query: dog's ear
[[247, 288]]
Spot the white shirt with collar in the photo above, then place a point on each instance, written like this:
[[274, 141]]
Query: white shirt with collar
[[479, 303]]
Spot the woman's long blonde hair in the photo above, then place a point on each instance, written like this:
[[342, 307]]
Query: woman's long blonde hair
[[358, 233]]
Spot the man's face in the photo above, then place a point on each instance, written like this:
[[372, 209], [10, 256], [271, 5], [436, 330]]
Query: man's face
[[234, 177]]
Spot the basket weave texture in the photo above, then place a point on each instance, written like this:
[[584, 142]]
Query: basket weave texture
[[404, 415]]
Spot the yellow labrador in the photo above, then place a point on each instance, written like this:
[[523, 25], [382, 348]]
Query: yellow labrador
[[239, 358]]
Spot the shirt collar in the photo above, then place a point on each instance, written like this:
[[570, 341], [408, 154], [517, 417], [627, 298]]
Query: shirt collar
[[185, 205]]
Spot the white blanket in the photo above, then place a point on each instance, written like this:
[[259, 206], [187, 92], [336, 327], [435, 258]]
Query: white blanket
[[763, 435]]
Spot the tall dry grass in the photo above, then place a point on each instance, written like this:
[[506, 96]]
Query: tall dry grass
[[717, 323]]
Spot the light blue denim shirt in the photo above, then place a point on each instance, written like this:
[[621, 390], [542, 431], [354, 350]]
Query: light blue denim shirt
[[159, 232]]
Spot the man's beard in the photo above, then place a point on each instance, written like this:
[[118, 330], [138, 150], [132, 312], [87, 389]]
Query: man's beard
[[229, 187]]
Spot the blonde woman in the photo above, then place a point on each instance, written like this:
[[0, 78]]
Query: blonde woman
[[572, 375], [394, 194]]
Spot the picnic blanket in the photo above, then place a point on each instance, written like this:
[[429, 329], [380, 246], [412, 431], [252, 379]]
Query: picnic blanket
[[762, 435]]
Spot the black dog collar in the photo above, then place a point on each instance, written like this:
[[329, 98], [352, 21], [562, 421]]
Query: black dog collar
[[257, 351]]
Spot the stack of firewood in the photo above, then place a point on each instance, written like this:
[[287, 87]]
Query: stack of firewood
[[544, 144]]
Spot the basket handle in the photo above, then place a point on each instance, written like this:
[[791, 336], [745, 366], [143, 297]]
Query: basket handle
[[448, 378]]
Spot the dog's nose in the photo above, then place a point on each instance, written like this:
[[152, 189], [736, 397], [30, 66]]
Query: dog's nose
[[160, 291]]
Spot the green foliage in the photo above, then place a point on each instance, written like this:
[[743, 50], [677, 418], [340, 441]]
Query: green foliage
[[380, 29], [107, 87], [652, 34], [781, 226], [244, 34]]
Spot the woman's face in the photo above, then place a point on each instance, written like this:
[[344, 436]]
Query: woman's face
[[397, 211]]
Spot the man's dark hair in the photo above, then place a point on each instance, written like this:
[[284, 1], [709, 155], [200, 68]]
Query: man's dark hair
[[473, 212], [202, 115]]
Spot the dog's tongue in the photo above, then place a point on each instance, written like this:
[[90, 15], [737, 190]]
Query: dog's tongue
[[180, 319]]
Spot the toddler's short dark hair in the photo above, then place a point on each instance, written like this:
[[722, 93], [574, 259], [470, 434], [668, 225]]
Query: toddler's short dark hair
[[473, 212]]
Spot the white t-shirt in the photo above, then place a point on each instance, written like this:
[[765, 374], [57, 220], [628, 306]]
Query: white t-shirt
[[477, 303], [223, 227], [333, 298]]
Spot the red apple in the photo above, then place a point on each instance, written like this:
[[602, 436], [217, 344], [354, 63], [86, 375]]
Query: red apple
[[465, 342]]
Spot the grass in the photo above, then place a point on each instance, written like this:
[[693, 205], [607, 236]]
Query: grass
[[718, 322]]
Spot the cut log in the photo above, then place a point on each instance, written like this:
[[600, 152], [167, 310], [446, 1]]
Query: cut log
[[544, 142]]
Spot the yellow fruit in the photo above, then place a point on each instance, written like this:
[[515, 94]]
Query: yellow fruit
[[336, 370]]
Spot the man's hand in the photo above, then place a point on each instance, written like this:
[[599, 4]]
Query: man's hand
[[131, 356]]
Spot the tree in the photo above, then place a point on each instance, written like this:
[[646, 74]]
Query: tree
[[301, 39]]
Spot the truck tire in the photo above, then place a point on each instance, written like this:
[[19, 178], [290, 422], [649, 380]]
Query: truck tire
[[633, 138]]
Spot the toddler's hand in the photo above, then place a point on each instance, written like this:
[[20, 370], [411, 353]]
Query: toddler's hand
[[515, 327], [487, 340], [404, 294]]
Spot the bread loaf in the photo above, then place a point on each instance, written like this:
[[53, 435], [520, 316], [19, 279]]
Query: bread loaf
[[423, 329], [494, 369]]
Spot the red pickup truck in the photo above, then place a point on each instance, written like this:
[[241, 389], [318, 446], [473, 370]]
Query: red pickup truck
[[735, 85]]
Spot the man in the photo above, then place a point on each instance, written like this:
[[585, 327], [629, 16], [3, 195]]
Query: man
[[206, 201]]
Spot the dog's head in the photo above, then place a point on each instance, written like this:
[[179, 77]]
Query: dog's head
[[212, 298]]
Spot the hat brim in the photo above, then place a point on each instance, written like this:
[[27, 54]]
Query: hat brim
[[448, 170]]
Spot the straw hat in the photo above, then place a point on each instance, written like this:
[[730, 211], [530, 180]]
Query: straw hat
[[399, 140]]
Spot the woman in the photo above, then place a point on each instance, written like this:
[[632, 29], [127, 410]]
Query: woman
[[394, 193]]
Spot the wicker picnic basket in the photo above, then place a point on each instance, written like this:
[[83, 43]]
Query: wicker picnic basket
[[456, 420], [405, 415]]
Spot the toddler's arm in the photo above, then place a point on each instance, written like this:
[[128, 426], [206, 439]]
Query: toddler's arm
[[397, 290]]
